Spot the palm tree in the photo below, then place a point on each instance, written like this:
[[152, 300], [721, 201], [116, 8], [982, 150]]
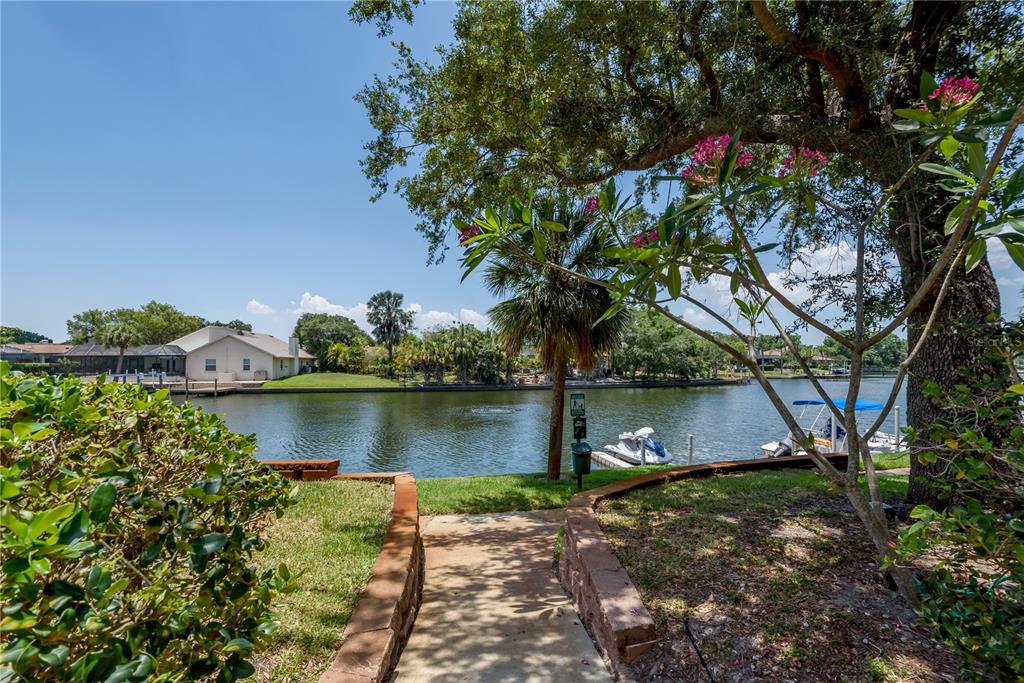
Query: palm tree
[[122, 334], [390, 321], [463, 341], [553, 311]]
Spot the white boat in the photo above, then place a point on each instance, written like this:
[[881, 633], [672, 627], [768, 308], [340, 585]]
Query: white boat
[[639, 448], [880, 442]]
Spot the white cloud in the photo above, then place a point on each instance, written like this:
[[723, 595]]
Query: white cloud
[[258, 308], [422, 320]]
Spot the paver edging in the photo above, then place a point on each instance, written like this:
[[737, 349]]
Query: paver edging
[[605, 598], [384, 615], [305, 469]]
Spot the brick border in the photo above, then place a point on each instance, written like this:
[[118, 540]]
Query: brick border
[[604, 596], [384, 615], [304, 470]]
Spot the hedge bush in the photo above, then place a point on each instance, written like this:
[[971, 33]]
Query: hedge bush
[[129, 528]]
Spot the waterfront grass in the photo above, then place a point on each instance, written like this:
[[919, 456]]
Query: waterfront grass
[[507, 492], [773, 574], [331, 380], [330, 540]]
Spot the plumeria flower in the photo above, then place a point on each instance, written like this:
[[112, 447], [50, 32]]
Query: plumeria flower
[[468, 232], [590, 207], [706, 155], [645, 238], [954, 92], [803, 161]]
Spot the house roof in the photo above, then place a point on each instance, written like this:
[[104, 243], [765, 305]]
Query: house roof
[[12, 350], [267, 343], [162, 350], [44, 348], [270, 344]]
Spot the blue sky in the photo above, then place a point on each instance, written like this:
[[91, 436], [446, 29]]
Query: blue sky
[[206, 155]]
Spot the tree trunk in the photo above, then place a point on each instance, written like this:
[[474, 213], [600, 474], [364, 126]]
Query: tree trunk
[[555, 423], [948, 349], [120, 362], [942, 359]]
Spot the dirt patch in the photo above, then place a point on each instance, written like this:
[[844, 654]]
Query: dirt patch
[[775, 579]]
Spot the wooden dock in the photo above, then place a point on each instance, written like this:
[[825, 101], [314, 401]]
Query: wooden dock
[[606, 460]]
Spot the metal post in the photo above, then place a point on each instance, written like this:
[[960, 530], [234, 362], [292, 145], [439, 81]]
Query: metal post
[[835, 432], [643, 451], [186, 388], [689, 450], [896, 434], [215, 387]]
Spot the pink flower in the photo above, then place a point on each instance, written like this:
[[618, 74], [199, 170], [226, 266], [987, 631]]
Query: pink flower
[[954, 92], [590, 206], [468, 232], [645, 238], [803, 161], [705, 156]]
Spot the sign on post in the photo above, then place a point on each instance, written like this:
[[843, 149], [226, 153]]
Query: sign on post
[[577, 405], [579, 428]]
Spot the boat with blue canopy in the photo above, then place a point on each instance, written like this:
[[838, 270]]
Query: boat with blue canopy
[[830, 437]]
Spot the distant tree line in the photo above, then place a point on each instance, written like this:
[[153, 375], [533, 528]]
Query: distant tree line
[[152, 323], [16, 335]]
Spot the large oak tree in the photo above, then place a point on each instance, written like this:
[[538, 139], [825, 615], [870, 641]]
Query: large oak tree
[[562, 95]]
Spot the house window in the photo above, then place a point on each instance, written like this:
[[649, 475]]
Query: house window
[[245, 364], [211, 365]]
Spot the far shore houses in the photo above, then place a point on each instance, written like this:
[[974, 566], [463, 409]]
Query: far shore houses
[[213, 352]]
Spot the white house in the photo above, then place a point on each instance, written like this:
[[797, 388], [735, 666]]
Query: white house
[[226, 354]]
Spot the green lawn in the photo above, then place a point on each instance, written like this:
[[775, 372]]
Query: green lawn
[[331, 539], [506, 492], [330, 380]]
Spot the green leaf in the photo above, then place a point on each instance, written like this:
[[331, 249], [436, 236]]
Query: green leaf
[[765, 247], [552, 226], [976, 158], [949, 146], [953, 219], [47, 520], [675, 281], [999, 118], [611, 312], [207, 544], [1016, 388], [975, 253], [927, 86], [540, 245], [1016, 252], [946, 170], [101, 501], [906, 126], [1014, 187], [238, 645], [916, 115], [964, 136]]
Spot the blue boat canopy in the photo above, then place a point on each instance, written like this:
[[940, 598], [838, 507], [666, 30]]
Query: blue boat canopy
[[840, 403]]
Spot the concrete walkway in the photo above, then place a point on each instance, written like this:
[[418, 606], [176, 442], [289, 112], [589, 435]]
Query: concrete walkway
[[493, 609]]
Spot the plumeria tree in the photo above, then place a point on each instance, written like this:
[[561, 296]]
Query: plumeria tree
[[713, 231]]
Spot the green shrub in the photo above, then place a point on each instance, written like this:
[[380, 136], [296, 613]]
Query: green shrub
[[129, 529], [974, 598], [31, 367]]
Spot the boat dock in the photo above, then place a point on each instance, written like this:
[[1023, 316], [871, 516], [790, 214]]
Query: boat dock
[[610, 461]]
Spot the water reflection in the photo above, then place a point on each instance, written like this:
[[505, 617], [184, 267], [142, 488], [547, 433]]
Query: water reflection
[[461, 433]]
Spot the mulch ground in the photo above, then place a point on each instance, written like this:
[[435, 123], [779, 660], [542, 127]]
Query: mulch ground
[[776, 580]]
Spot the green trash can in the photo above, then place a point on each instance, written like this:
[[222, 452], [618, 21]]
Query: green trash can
[[581, 458]]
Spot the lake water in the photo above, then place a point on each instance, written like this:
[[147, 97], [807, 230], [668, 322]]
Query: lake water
[[437, 434]]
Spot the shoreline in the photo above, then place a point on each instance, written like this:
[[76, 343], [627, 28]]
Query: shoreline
[[675, 384]]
